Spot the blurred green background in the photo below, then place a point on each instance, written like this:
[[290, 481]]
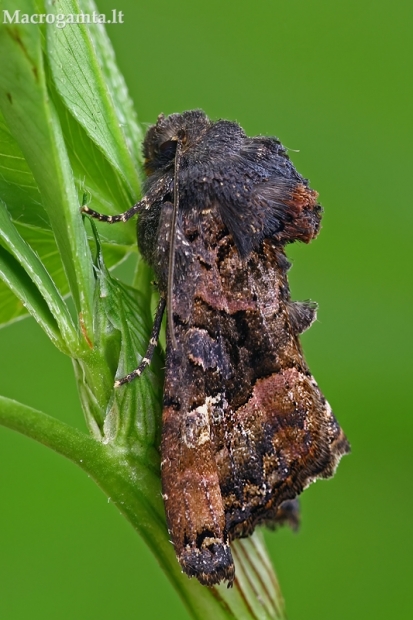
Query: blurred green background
[[333, 82]]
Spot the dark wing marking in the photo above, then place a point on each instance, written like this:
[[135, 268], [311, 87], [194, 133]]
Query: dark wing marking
[[241, 409]]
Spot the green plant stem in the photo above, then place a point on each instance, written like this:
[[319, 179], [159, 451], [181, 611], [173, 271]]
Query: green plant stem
[[136, 492]]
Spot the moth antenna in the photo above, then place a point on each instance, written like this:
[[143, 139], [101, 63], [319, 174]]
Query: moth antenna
[[172, 243]]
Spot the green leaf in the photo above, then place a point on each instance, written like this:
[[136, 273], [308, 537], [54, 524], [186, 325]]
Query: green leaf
[[33, 122], [18, 188], [256, 579], [20, 192], [123, 104], [92, 172], [26, 297], [34, 268], [93, 175], [135, 411], [81, 80], [96, 177], [130, 414], [44, 245]]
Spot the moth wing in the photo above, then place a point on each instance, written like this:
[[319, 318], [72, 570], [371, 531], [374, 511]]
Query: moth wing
[[270, 431]]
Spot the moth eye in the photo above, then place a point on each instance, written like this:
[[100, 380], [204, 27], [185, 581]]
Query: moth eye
[[168, 149]]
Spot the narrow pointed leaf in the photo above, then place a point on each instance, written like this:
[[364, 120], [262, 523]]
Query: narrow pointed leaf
[[96, 177], [81, 82], [32, 120], [44, 245], [92, 172], [35, 269], [122, 331], [25, 295], [116, 83], [136, 405]]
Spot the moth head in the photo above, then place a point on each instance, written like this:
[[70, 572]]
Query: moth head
[[159, 146]]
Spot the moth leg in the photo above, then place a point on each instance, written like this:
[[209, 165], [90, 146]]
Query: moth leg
[[157, 190], [153, 341], [122, 217], [192, 496]]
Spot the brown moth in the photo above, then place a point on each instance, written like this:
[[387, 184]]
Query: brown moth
[[245, 427]]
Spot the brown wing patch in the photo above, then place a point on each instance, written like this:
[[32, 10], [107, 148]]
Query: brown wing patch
[[245, 426]]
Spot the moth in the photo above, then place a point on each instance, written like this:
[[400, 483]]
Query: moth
[[245, 427]]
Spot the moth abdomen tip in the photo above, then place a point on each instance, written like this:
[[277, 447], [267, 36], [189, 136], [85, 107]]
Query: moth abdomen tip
[[210, 565]]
